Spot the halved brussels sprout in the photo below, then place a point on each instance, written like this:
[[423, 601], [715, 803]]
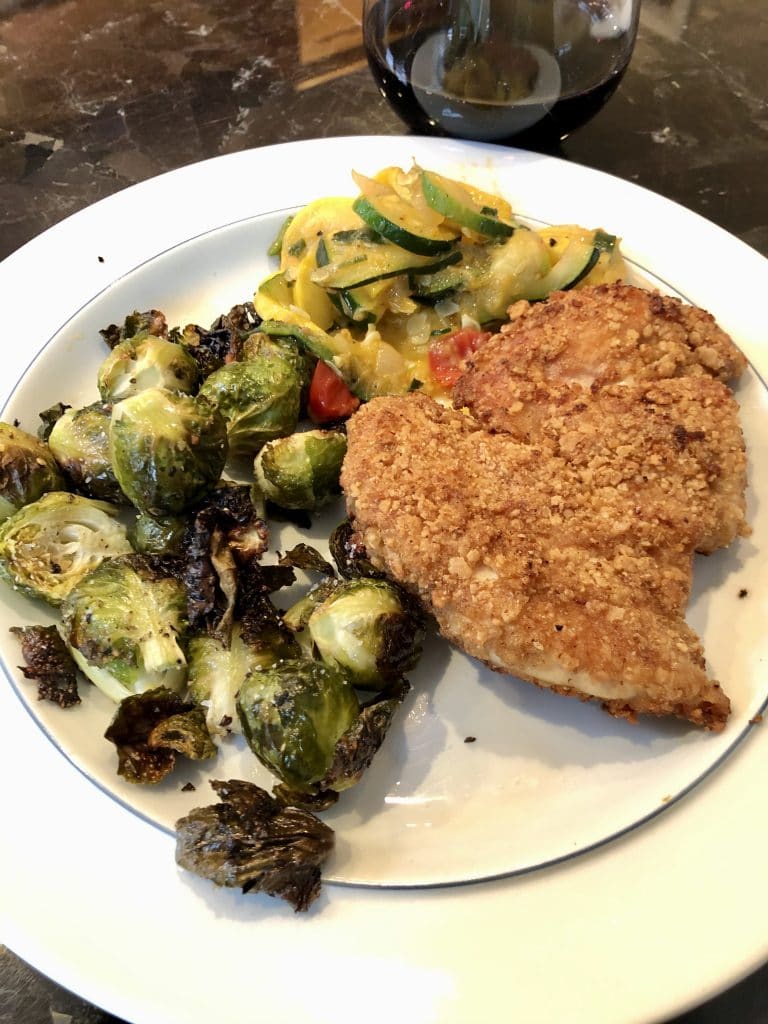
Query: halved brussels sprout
[[27, 470], [218, 671], [259, 399], [167, 449], [293, 715], [146, 362], [79, 441], [47, 547], [367, 628], [123, 623], [301, 471]]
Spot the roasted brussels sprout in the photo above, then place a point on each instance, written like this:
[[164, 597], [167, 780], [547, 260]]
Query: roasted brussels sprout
[[367, 628], [157, 535], [260, 399], [217, 671], [47, 547], [79, 442], [145, 362], [302, 470], [293, 715], [259, 345], [167, 449], [123, 623], [27, 470]]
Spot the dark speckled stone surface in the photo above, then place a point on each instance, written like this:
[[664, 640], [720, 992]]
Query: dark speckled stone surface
[[97, 95]]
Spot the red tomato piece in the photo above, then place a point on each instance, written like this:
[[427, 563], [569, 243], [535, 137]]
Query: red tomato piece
[[448, 351], [329, 397]]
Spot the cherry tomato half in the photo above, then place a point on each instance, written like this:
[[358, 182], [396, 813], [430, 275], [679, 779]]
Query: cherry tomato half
[[329, 397], [447, 353]]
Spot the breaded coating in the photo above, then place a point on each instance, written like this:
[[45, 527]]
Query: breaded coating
[[555, 569], [586, 339]]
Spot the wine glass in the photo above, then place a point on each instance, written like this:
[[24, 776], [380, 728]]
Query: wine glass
[[528, 71]]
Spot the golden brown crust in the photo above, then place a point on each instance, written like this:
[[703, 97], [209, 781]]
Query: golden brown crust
[[552, 536], [493, 537], [584, 340]]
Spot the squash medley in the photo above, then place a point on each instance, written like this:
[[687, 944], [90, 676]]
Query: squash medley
[[374, 285]]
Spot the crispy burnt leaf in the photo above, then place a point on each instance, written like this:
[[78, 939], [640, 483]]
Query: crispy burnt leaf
[[223, 342], [249, 841], [349, 554], [225, 534], [151, 729], [50, 418], [152, 321], [50, 663], [353, 754], [263, 630], [304, 556]]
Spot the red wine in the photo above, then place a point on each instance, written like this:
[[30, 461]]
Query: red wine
[[409, 50]]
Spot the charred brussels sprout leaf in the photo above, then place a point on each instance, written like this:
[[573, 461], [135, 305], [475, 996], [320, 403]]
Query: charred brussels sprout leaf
[[123, 624], [225, 534], [146, 362], [293, 714], [49, 662], [301, 471], [161, 535], [304, 556], [248, 841], [167, 449], [27, 470], [151, 322], [48, 547], [259, 399], [151, 729], [223, 343], [79, 441], [349, 553], [48, 419], [369, 629]]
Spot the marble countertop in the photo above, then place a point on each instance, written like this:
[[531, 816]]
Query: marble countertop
[[96, 96]]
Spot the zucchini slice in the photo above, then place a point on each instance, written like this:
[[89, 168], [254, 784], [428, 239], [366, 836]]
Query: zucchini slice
[[573, 266], [356, 262], [399, 221], [456, 203]]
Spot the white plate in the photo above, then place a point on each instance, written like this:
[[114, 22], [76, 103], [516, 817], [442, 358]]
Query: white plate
[[91, 881]]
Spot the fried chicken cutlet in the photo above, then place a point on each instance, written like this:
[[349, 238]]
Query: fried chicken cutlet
[[552, 535]]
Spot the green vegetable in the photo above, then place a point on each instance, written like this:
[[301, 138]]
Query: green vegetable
[[157, 535], [168, 450], [27, 470], [456, 203], [47, 547], [293, 715], [145, 362], [367, 628], [260, 399], [301, 471], [123, 623], [217, 670], [151, 729], [250, 841], [79, 440]]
